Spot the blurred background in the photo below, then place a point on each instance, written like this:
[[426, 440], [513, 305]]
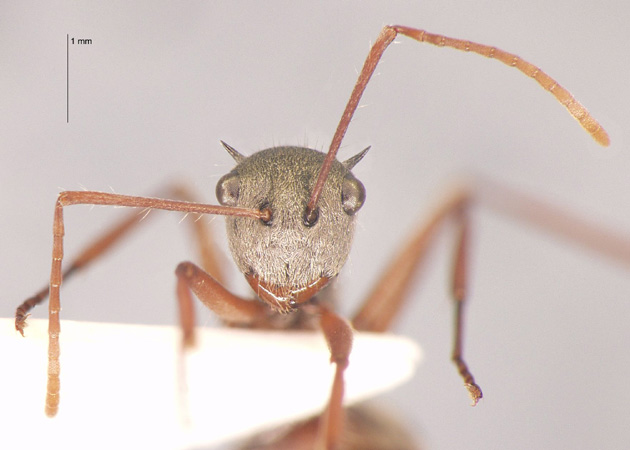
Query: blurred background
[[161, 82]]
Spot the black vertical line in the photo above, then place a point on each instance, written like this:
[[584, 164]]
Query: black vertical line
[[67, 78]]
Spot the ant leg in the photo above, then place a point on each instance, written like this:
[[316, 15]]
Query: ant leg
[[387, 297], [230, 308], [459, 285], [390, 292], [338, 334], [552, 219]]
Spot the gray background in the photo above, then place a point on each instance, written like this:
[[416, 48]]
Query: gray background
[[162, 82]]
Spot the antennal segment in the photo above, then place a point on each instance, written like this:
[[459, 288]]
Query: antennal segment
[[389, 33], [574, 107]]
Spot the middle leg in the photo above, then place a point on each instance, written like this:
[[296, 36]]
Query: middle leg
[[391, 290]]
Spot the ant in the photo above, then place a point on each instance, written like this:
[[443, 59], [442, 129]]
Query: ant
[[290, 215]]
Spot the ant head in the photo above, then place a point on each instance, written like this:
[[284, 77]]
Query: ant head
[[289, 255]]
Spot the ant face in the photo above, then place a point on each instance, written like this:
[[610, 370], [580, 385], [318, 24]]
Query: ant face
[[286, 257]]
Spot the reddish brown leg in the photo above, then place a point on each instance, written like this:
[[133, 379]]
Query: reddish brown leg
[[460, 269], [338, 334], [230, 308], [386, 299], [97, 198], [227, 306], [390, 292], [550, 218]]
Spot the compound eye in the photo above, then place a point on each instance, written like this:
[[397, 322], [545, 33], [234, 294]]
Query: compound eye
[[228, 189], [352, 195]]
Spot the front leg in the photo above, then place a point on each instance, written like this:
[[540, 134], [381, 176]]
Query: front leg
[[231, 309], [338, 334], [234, 310]]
